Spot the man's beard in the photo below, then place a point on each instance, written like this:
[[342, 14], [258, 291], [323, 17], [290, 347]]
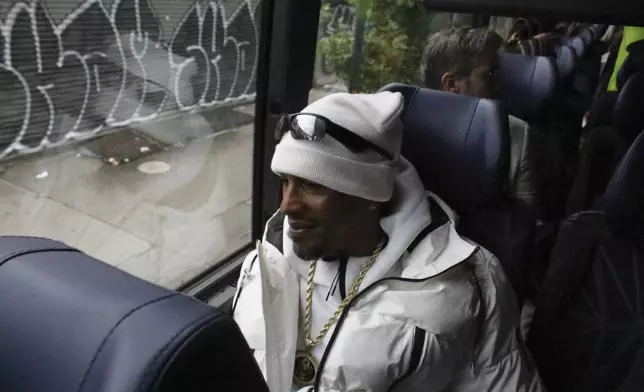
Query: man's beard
[[308, 253]]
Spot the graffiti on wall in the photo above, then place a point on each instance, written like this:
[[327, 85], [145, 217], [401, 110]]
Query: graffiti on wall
[[100, 68], [341, 16]]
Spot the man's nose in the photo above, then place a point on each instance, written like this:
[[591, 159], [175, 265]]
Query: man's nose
[[291, 199]]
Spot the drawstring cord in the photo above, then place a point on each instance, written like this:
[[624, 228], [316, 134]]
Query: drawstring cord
[[339, 280]]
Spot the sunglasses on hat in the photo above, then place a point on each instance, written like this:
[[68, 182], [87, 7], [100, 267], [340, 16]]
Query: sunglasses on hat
[[314, 127]]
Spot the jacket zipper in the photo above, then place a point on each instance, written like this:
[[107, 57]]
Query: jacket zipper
[[345, 311]]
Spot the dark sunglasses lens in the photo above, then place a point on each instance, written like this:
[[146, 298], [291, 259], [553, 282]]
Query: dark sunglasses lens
[[306, 126]]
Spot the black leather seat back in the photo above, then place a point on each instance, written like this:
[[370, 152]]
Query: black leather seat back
[[578, 44], [587, 330], [598, 30], [623, 202], [73, 323], [600, 155], [586, 77], [601, 111], [460, 146], [605, 146], [628, 111], [588, 36], [594, 33], [566, 62], [526, 83]]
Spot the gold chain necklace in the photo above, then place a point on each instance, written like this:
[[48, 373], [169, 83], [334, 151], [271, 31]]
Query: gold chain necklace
[[306, 366]]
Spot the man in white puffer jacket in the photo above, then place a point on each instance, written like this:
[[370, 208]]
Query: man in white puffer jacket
[[361, 282]]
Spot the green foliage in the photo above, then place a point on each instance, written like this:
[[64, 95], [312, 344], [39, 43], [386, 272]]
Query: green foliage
[[393, 44]]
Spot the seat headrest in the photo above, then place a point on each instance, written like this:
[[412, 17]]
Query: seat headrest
[[578, 44], [588, 36], [628, 113], [566, 61], [526, 83], [458, 144], [599, 30], [594, 32], [72, 323], [622, 202]]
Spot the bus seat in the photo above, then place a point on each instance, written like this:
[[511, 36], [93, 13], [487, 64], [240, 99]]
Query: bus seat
[[575, 94], [587, 331], [566, 62], [606, 145], [460, 146], [526, 83], [529, 86], [601, 110], [73, 323], [594, 33], [583, 81], [587, 35], [578, 44], [598, 30], [594, 55], [622, 202], [628, 113], [466, 136]]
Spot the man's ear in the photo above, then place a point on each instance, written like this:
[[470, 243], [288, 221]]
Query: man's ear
[[449, 83]]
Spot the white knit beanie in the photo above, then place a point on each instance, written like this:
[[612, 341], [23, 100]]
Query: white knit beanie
[[327, 162]]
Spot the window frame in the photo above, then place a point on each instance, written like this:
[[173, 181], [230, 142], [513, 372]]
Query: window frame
[[287, 48], [618, 12]]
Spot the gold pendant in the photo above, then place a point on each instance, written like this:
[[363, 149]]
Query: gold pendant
[[305, 369]]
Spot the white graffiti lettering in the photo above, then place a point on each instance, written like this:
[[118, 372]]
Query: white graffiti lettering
[[97, 69]]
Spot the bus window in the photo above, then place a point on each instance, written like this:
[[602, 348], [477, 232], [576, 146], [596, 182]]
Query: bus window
[[363, 53], [388, 37], [126, 129]]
